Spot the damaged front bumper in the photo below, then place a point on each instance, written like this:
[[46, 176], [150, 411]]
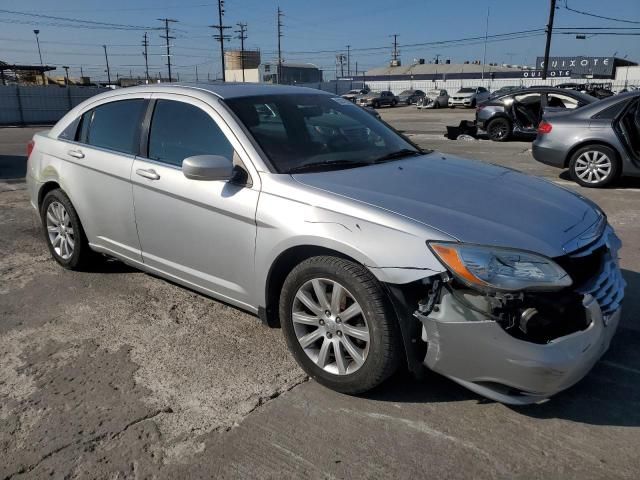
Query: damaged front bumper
[[480, 355]]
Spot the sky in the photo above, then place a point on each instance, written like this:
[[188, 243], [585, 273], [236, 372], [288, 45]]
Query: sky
[[314, 31]]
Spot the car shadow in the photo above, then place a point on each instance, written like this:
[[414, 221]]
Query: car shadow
[[622, 183], [13, 167], [608, 395]]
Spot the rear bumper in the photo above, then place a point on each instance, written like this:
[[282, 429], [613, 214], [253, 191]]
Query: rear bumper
[[481, 356], [548, 156]]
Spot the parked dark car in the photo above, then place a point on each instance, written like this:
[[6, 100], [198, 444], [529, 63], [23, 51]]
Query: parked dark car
[[377, 99], [598, 90], [519, 112], [597, 143], [504, 90], [409, 97]]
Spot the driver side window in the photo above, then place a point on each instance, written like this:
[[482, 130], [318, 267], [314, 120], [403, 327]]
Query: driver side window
[[179, 130]]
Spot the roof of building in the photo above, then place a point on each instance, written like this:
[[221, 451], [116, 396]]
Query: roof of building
[[439, 68], [294, 65]]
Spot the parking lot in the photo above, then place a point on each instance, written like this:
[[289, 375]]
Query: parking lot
[[114, 373]]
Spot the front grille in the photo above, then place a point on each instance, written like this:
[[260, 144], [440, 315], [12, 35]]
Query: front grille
[[595, 271]]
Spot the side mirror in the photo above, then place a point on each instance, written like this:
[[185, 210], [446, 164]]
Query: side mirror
[[207, 167]]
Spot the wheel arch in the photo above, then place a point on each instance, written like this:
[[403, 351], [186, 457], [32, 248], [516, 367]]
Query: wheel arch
[[586, 143], [46, 188], [280, 268]]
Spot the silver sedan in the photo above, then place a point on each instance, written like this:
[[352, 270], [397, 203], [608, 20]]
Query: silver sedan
[[300, 207]]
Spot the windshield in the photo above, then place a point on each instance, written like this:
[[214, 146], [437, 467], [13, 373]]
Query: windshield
[[466, 90], [300, 130]]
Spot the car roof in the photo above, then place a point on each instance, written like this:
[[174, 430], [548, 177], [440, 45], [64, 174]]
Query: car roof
[[224, 90]]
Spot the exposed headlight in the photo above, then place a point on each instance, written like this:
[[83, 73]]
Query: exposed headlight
[[495, 268]]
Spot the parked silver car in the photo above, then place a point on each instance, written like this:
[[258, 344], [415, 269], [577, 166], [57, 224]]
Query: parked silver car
[[598, 143], [300, 207], [468, 97]]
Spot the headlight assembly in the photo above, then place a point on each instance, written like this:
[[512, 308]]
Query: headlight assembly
[[495, 268]]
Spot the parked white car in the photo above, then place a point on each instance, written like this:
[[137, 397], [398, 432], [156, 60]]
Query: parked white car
[[468, 97], [434, 99]]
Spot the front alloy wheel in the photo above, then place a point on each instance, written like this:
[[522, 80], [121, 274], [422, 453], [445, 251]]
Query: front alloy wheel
[[330, 326], [339, 324]]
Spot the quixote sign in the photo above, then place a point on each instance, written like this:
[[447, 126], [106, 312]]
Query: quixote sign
[[579, 66], [550, 73]]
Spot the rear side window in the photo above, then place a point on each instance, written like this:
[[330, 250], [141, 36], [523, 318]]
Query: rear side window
[[114, 125], [180, 130], [611, 112]]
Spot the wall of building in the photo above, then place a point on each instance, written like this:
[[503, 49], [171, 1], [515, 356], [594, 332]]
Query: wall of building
[[250, 75], [629, 75], [32, 105]]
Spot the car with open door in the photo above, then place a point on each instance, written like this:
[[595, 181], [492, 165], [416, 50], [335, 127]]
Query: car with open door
[[436, 98], [519, 112], [598, 143], [409, 97]]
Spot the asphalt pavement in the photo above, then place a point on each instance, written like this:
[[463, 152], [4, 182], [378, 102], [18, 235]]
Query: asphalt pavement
[[114, 373]]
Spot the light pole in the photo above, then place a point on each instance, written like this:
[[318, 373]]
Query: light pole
[[66, 75], [40, 54]]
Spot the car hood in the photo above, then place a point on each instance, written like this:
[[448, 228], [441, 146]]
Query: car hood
[[469, 200], [464, 94]]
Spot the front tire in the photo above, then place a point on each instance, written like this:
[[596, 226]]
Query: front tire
[[63, 231], [339, 325], [594, 166]]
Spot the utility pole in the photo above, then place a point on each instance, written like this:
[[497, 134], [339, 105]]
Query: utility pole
[[486, 36], [197, 80], [545, 67], [280, 14], [37, 32], [81, 72], [221, 37], [242, 36], [348, 60], [145, 44], [66, 75], [394, 52], [106, 57], [167, 37]]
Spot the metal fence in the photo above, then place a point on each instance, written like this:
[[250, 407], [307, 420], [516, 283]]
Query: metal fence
[[34, 105]]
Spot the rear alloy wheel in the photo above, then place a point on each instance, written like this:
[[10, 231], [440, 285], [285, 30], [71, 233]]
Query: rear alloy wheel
[[499, 129], [338, 324], [594, 166], [63, 232]]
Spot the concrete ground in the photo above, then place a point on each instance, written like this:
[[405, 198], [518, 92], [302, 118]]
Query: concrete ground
[[113, 373]]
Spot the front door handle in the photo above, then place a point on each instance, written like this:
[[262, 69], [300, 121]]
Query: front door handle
[[76, 153], [150, 174]]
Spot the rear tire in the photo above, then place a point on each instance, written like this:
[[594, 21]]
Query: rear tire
[[499, 129], [63, 232], [594, 166], [377, 345]]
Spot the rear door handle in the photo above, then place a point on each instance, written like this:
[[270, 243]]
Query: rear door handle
[[76, 153], [150, 174]]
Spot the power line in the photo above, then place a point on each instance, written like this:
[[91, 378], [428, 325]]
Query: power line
[[168, 37], [589, 14], [90, 23], [221, 37]]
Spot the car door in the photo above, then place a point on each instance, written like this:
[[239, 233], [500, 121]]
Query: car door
[[98, 170], [201, 233]]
